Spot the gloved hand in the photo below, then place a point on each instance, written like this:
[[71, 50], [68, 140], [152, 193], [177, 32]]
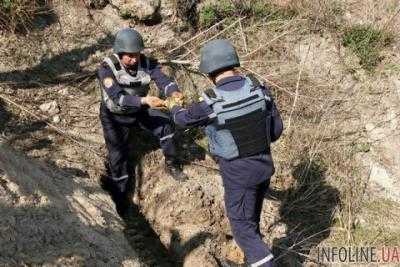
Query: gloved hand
[[177, 95], [170, 102], [152, 101]]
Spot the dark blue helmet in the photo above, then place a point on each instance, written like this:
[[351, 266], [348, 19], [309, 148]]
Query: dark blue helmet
[[217, 55], [128, 41]]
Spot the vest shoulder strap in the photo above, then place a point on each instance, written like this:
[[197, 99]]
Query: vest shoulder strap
[[209, 96], [210, 93], [115, 62], [255, 83], [145, 62], [112, 64]]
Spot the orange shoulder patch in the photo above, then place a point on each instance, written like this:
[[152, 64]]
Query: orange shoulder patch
[[108, 82]]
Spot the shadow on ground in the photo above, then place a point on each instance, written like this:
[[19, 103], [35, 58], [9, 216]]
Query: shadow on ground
[[307, 210], [59, 69]]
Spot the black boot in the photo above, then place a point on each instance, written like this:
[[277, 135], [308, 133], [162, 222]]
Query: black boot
[[173, 168], [123, 203], [104, 181]]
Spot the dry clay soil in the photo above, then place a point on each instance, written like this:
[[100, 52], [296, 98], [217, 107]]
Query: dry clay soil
[[53, 211]]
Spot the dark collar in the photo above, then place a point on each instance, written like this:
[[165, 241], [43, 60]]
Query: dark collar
[[230, 83]]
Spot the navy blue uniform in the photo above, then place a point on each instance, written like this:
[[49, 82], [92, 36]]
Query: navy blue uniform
[[245, 179], [116, 127]]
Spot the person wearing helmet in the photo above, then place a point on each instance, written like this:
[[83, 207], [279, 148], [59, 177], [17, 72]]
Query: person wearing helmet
[[241, 121], [124, 79]]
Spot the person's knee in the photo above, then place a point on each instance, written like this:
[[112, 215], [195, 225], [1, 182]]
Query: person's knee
[[246, 229], [242, 205], [117, 156]]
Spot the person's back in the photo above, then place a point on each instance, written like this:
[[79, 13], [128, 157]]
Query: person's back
[[246, 142], [241, 121]]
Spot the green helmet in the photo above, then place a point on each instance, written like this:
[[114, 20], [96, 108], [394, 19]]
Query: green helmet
[[217, 55], [128, 41]]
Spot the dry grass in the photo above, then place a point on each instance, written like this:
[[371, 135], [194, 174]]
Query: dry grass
[[316, 162], [19, 15], [321, 183]]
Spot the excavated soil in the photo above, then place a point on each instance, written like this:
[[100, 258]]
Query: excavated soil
[[53, 211]]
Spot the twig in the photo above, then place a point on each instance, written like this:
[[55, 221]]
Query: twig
[[391, 19], [50, 125], [212, 37], [287, 91], [205, 166], [259, 24], [290, 249], [268, 81], [296, 97], [270, 42], [174, 61], [243, 37], [84, 77], [303, 255], [197, 35], [264, 45], [73, 77], [194, 63], [260, 61], [187, 49]]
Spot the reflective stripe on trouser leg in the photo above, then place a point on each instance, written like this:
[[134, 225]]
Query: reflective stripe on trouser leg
[[120, 178], [167, 144], [116, 138], [166, 137], [265, 261], [121, 185]]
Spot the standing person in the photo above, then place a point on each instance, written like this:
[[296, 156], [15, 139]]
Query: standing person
[[124, 79], [241, 121]]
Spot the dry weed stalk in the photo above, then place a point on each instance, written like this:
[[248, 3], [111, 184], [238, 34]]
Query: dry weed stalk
[[212, 37], [18, 15]]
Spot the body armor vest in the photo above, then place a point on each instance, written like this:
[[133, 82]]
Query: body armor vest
[[240, 127], [137, 85]]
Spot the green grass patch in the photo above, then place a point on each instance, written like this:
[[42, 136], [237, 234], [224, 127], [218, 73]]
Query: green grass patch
[[125, 14], [367, 236], [392, 67], [6, 5], [214, 12], [361, 147], [366, 42], [377, 225]]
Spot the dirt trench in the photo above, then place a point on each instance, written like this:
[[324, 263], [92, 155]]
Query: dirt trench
[[51, 216]]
